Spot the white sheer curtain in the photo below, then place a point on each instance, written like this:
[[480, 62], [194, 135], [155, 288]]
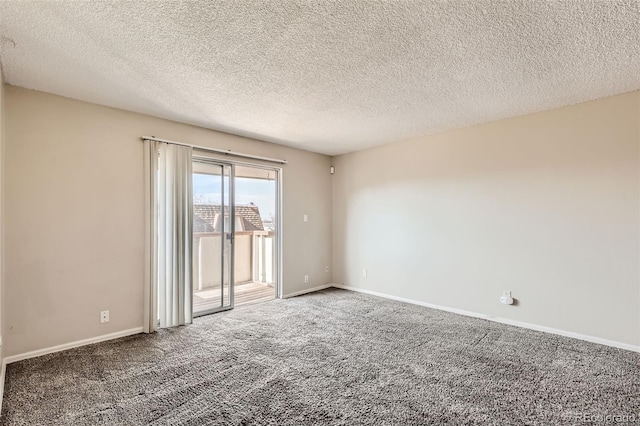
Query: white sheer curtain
[[168, 255]]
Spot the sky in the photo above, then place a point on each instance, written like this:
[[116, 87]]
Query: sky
[[206, 189]]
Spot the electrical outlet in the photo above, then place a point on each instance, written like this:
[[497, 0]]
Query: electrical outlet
[[104, 316], [306, 218], [364, 273], [306, 278]]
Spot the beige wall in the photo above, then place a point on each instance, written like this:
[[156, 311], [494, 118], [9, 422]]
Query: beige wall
[[545, 205], [74, 215], [2, 138]]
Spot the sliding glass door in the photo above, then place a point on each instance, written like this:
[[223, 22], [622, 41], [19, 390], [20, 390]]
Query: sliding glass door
[[235, 235], [213, 233]]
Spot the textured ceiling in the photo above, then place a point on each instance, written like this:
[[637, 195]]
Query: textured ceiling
[[326, 76]]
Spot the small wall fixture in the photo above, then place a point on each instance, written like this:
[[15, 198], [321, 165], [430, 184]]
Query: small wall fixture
[[332, 170], [506, 298]]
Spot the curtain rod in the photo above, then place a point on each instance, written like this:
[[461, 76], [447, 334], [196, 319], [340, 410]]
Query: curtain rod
[[219, 151]]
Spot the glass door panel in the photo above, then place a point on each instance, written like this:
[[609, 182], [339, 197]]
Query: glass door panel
[[255, 234], [212, 237]]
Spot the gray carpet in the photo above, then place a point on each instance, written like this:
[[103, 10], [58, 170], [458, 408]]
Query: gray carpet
[[332, 357]]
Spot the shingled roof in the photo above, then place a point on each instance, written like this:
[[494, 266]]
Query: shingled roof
[[204, 217]]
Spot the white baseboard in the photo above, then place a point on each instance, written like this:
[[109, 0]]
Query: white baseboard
[[526, 325], [70, 345], [308, 290]]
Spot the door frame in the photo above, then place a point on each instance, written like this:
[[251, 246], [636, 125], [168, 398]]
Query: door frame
[[209, 158]]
